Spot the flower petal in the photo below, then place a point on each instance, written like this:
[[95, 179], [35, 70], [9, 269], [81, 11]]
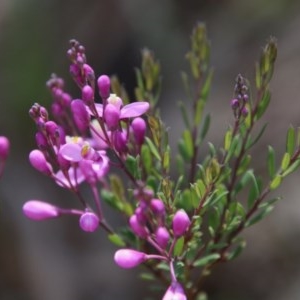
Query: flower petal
[[99, 109], [71, 152], [134, 109]]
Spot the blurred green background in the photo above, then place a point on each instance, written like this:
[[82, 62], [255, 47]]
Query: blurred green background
[[55, 260]]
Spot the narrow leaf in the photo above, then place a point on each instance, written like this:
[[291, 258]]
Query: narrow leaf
[[208, 259]]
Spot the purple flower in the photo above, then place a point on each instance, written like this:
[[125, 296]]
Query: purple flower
[[131, 110], [181, 222], [175, 292], [38, 210], [128, 258], [89, 222]]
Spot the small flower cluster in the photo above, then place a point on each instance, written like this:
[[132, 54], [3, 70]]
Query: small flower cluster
[[149, 223], [73, 148], [239, 103], [4, 151], [179, 228]]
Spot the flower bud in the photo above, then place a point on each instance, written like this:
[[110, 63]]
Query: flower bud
[[175, 291], [104, 86], [127, 258], [4, 147], [87, 94], [80, 115], [137, 227], [120, 141], [162, 237], [111, 116], [41, 140], [89, 222], [138, 126], [181, 222], [158, 207], [38, 210], [38, 161]]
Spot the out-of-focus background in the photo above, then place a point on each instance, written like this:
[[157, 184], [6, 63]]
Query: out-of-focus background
[[55, 260]]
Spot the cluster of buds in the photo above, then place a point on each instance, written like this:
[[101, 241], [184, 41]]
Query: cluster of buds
[[149, 222], [72, 148], [4, 150], [239, 103]]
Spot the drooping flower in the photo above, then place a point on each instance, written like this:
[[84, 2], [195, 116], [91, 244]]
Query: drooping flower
[[175, 292]]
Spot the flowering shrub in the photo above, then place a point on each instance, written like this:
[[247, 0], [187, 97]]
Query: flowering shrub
[[178, 226]]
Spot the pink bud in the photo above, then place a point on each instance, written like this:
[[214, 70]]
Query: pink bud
[[39, 162], [80, 115], [87, 94], [4, 147], [51, 128], [181, 222], [175, 291], [104, 86], [111, 116], [157, 206], [89, 222], [38, 210], [120, 141], [137, 227], [138, 126], [162, 237], [41, 140], [127, 258]]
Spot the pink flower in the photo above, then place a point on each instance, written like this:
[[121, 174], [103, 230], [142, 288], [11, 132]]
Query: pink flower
[[127, 258], [175, 292], [131, 110]]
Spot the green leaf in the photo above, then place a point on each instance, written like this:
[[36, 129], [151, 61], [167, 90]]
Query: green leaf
[[116, 239], [271, 162], [205, 127], [146, 158], [228, 139], [208, 259], [263, 104], [233, 146], [185, 116], [260, 215], [290, 141], [293, 167], [188, 143], [147, 276], [179, 246], [275, 183], [254, 190], [111, 199], [153, 148], [245, 179], [237, 250], [285, 161], [131, 164]]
